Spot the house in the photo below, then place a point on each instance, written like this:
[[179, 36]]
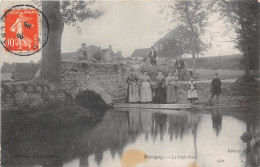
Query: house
[[139, 54]]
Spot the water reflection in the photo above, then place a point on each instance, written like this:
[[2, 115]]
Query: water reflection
[[159, 125], [155, 132], [216, 120]]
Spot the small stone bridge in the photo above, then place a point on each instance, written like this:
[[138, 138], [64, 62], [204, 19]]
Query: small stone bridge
[[106, 80]]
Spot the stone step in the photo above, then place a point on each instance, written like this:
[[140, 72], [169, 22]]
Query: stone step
[[152, 106]]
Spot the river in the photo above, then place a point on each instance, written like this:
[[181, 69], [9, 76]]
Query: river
[[135, 137]]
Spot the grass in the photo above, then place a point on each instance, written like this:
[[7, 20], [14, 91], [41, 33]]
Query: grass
[[205, 74]]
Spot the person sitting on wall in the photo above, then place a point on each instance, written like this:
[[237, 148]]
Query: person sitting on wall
[[153, 56], [97, 57], [179, 66], [81, 53]]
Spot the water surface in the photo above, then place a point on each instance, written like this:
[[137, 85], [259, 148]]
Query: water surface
[[168, 138]]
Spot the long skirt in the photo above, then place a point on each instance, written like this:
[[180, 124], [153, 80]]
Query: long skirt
[[172, 94], [146, 92], [192, 94], [160, 95], [133, 94]]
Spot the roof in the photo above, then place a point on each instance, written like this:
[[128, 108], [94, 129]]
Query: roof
[[141, 52]]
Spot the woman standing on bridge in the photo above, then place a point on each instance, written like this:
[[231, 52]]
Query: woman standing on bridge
[[172, 85], [146, 91], [132, 90], [160, 92]]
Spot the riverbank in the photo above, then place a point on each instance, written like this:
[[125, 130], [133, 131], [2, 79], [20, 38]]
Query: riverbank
[[233, 93]]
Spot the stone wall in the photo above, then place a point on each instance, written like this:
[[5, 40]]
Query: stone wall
[[107, 80], [31, 95]]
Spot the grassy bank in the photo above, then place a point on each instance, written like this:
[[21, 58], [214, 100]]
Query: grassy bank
[[244, 94], [205, 74]]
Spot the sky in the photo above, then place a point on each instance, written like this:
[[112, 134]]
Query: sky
[[129, 25], [125, 25]]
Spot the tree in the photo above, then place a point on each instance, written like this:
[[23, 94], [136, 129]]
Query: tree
[[244, 17], [177, 43], [58, 13], [169, 47], [191, 18]]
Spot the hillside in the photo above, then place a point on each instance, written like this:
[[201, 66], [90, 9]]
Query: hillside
[[226, 62]]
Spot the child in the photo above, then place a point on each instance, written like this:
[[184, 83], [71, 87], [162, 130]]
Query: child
[[215, 87], [192, 93]]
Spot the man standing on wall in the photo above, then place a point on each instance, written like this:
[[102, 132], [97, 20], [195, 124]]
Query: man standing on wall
[[153, 56], [179, 66]]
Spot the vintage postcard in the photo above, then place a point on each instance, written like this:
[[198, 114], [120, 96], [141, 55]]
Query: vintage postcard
[[130, 83]]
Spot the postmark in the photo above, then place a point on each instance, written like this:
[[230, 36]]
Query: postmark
[[22, 31]]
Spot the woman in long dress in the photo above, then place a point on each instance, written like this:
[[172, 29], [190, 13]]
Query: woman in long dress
[[172, 87], [146, 91], [132, 89], [160, 92]]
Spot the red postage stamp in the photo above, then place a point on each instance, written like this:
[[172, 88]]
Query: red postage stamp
[[22, 30]]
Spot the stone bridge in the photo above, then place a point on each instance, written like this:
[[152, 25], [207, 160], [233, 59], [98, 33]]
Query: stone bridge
[[106, 80]]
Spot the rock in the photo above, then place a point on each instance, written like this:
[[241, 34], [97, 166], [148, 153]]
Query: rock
[[246, 137]]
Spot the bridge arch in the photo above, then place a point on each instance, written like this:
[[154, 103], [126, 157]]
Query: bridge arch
[[94, 89]]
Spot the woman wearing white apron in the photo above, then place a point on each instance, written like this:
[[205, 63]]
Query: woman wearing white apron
[[132, 89], [146, 91]]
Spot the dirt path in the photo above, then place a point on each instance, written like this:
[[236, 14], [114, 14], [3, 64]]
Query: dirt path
[[209, 81]]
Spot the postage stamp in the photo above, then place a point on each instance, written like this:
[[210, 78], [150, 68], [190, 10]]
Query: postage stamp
[[21, 30]]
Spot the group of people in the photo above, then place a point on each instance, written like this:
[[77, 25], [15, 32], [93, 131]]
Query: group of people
[[82, 54], [166, 88]]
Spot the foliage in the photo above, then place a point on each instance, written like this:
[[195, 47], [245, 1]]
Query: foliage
[[178, 43], [78, 11], [6, 67], [244, 16], [170, 47], [24, 71], [191, 18]]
